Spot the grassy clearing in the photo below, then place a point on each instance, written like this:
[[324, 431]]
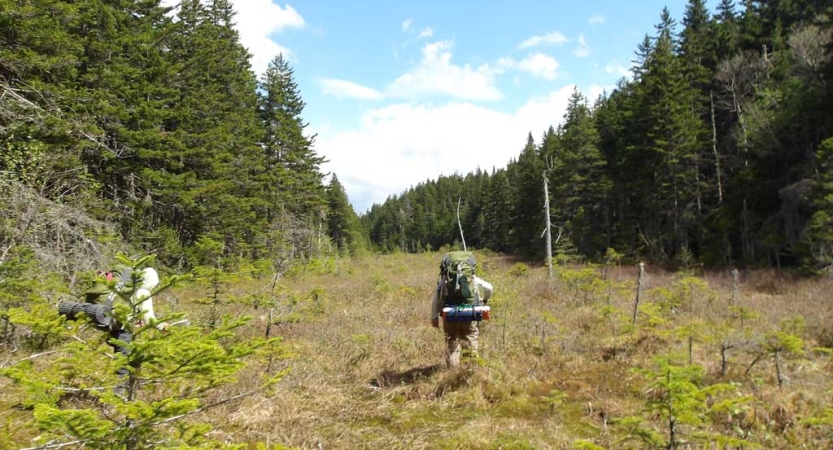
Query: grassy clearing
[[556, 368], [556, 362]]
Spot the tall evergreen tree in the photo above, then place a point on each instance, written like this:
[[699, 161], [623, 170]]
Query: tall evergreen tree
[[620, 124], [293, 163], [580, 186], [497, 212], [819, 239], [293, 179], [673, 148], [697, 50], [41, 53], [751, 27], [527, 181], [213, 184], [726, 33], [342, 222]]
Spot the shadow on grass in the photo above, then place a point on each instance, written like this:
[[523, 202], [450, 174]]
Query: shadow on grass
[[392, 378]]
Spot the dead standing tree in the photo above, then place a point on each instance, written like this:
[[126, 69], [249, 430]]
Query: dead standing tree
[[638, 291], [460, 224], [547, 220], [547, 224], [737, 79]]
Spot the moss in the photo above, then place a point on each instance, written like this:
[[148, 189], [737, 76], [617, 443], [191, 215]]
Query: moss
[[521, 406]]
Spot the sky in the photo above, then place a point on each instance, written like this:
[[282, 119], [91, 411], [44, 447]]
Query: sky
[[398, 93]]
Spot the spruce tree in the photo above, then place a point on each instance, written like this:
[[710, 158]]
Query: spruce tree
[[214, 129], [293, 181], [342, 222], [618, 122], [497, 212], [673, 143], [40, 55], [820, 236], [726, 30], [292, 161], [78, 400], [751, 27], [580, 187], [528, 199], [697, 51]]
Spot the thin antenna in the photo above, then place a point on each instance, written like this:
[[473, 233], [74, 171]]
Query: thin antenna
[[460, 224]]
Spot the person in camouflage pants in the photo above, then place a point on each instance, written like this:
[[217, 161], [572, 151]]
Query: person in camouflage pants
[[459, 334]]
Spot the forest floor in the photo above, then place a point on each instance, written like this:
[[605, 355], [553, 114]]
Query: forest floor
[[561, 364]]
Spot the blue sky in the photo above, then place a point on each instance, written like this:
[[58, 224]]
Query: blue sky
[[399, 93]]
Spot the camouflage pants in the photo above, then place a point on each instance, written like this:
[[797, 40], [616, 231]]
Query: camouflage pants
[[457, 335]]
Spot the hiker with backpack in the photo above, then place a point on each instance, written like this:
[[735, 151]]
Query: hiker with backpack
[[101, 300], [460, 298]]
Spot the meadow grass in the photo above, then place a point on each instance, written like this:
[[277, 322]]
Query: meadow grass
[[556, 367], [556, 361]]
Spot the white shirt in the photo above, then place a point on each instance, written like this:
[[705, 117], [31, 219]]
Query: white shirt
[[145, 301], [484, 293], [142, 296]]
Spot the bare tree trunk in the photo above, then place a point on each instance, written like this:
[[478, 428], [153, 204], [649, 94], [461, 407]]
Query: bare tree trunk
[[766, 59], [690, 350], [748, 245], [547, 225], [638, 290], [724, 360], [699, 192], [735, 287], [777, 258], [607, 221], [460, 224], [606, 277], [752, 364], [309, 232], [778, 370], [716, 155], [320, 230]]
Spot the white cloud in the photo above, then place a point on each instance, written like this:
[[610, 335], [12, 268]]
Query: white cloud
[[618, 69], [583, 50], [426, 32], [595, 90], [537, 64], [257, 21], [401, 145], [597, 19], [436, 74], [554, 38], [348, 89], [406, 24]]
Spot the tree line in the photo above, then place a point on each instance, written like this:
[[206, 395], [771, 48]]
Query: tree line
[[155, 123], [717, 151]]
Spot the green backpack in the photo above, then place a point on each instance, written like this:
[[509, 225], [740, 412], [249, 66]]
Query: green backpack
[[457, 276], [100, 293]]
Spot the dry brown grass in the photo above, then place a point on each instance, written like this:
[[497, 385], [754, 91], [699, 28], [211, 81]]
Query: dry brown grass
[[367, 370]]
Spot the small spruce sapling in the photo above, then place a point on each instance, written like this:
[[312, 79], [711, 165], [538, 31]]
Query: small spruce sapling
[[785, 342], [676, 396], [172, 376]]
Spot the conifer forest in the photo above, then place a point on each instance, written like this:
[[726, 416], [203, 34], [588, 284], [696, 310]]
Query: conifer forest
[[715, 153], [690, 212]]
